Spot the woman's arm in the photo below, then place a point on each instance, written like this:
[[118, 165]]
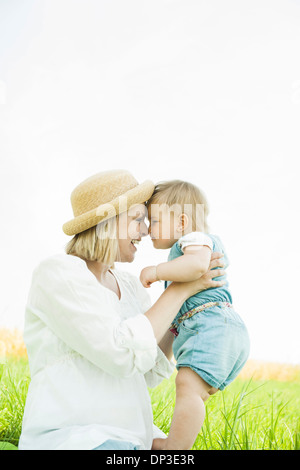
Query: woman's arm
[[162, 313], [166, 344], [67, 301]]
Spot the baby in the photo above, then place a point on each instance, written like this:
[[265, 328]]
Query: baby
[[211, 343]]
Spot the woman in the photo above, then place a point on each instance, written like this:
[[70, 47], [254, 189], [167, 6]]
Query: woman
[[94, 341]]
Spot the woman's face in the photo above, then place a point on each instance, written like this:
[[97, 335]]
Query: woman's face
[[131, 229]]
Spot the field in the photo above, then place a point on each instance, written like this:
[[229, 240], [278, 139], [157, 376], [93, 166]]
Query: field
[[260, 410]]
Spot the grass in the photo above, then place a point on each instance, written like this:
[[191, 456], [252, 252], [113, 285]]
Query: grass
[[259, 411], [14, 381], [247, 415]]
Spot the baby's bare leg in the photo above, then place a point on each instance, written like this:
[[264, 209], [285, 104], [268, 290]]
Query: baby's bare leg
[[189, 412]]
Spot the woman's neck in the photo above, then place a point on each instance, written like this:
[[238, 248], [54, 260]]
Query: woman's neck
[[99, 269]]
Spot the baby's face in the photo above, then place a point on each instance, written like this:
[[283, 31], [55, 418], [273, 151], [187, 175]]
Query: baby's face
[[162, 227]]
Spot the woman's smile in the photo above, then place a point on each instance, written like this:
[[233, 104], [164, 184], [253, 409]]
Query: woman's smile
[[135, 242]]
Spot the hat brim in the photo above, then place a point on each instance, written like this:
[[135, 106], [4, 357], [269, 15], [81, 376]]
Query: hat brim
[[120, 204]]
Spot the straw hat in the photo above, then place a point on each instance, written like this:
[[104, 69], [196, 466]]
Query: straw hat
[[103, 196]]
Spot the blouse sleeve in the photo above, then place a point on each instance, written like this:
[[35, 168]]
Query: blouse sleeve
[[195, 238], [88, 323], [162, 368]]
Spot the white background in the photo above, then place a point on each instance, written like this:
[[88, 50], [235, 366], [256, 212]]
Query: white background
[[203, 91]]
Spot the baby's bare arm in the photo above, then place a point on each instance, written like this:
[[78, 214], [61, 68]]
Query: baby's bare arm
[[192, 265]]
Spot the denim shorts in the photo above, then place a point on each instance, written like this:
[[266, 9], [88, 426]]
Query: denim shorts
[[112, 444], [214, 343]]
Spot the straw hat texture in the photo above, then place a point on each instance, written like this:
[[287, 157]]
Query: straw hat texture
[[103, 196]]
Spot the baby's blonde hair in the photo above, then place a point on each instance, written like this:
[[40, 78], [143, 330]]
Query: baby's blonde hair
[[98, 243], [183, 196]]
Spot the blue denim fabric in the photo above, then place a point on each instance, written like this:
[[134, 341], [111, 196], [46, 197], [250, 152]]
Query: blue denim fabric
[[214, 343], [112, 444], [221, 294]]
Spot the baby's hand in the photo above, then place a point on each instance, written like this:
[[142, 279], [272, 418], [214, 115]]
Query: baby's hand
[[148, 276]]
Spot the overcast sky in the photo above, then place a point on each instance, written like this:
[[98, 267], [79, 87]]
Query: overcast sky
[[204, 91]]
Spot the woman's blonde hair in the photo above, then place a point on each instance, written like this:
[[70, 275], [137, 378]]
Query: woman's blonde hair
[[184, 197], [98, 243]]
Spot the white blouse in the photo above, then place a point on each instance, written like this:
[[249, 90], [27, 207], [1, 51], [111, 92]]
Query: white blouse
[[91, 358]]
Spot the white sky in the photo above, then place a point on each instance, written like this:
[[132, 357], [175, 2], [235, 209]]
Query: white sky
[[203, 91]]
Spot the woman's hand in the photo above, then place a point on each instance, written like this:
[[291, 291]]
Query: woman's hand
[[207, 279]]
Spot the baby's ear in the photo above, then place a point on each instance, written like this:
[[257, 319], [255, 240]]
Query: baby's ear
[[183, 223]]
